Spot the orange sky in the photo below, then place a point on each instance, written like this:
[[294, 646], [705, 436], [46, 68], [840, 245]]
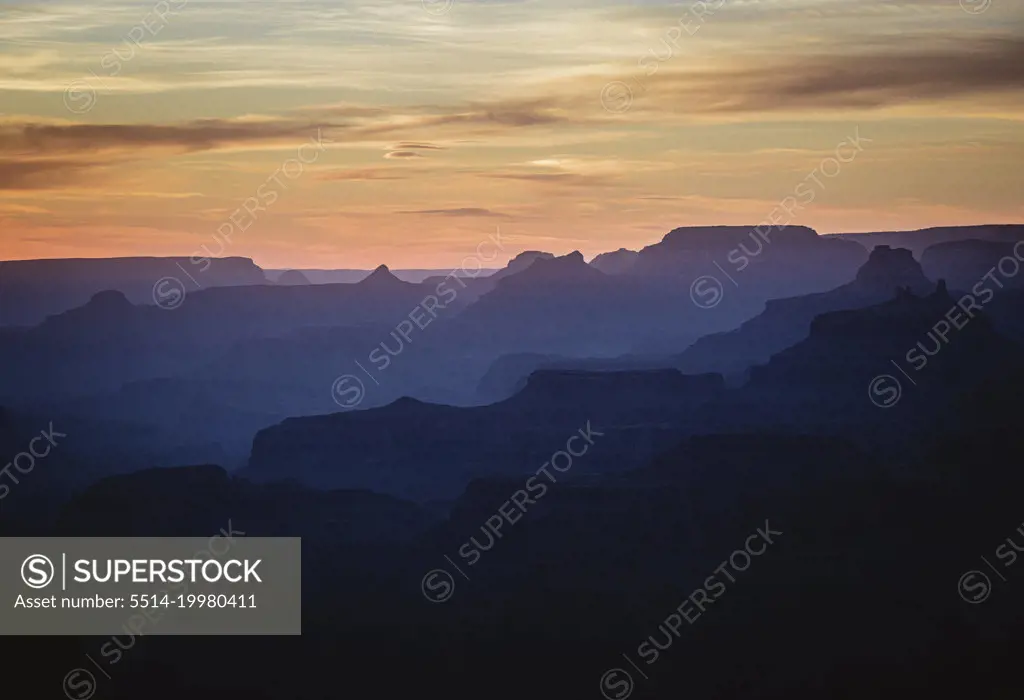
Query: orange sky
[[144, 129]]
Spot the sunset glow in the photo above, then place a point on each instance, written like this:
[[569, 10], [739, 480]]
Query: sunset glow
[[141, 128]]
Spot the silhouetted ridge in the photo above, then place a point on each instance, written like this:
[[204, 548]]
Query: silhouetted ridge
[[427, 451], [567, 268], [891, 267], [198, 500], [381, 278], [36, 289], [881, 375], [565, 263], [202, 477], [964, 263], [658, 396], [113, 271], [726, 237], [920, 240], [774, 262], [784, 322], [509, 373], [292, 278], [559, 385], [615, 263], [111, 299], [407, 404], [524, 260], [106, 307], [906, 307]]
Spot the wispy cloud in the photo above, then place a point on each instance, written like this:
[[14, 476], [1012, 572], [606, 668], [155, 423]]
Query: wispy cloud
[[848, 77], [39, 175], [365, 174], [410, 145], [460, 212], [37, 139]]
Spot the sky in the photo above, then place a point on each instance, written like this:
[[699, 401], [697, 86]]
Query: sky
[[337, 134]]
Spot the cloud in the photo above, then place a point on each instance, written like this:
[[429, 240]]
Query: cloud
[[14, 208], [411, 145], [567, 179], [50, 154], [498, 114], [851, 75], [514, 112], [464, 211], [41, 139], [402, 154], [39, 175], [856, 78], [365, 174]]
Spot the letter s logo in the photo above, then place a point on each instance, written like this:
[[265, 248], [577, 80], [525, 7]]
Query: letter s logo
[[707, 292], [37, 571], [438, 586]]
